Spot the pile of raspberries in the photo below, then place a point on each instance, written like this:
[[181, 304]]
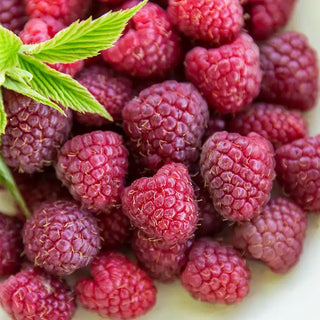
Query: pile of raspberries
[[205, 120]]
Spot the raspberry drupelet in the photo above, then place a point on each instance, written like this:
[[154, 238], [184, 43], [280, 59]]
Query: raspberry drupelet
[[13, 15]]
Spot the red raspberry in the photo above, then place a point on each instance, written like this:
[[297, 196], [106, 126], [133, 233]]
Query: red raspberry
[[290, 71], [163, 206], [60, 237], [33, 134], [119, 289], [238, 171], [12, 15], [109, 88], [216, 272], [112, 2], [11, 246], [65, 11], [273, 122], [34, 295], [93, 167], [268, 16], [275, 236], [214, 22], [216, 123], [149, 47], [297, 166], [162, 262], [229, 76], [166, 123]]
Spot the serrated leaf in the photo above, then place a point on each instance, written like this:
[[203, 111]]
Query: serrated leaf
[[2, 77], [83, 39], [3, 115], [19, 75], [8, 182], [60, 87]]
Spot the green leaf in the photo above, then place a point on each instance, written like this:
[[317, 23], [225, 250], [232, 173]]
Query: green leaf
[[83, 39], [19, 75], [2, 77], [9, 47], [3, 116], [7, 181], [60, 87]]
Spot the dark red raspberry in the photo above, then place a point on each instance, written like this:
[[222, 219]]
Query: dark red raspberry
[[268, 16], [13, 15], [33, 134], [216, 272], [163, 3], [273, 122], [33, 294], [229, 76], [162, 262], [166, 123], [109, 88], [93, 167], [115, 228], [149, 47], [275, 236], [11, 246], [163, 206], [60, 237], [65, 11], [112, 2], [214, 22], [238, 171], [119, 289], [216, 123], [297, 166], [290, 71]]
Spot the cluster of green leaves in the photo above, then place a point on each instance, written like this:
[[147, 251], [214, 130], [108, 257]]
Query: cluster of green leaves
[[23, 69]]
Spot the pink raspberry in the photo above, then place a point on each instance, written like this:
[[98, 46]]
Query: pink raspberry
[[65, 11], [11, 246], [214, 22], [290, 71], [149, 47], [161, 262], [163, 206], [273, 122], [109, 88], [297, 166], [275, 236], [60, 237], [268, 16], [33, 294], [119, 289], [93, 167], [166, 123], [34, 133], [12, 15], [238, 171], [216, 272], [229, 76]]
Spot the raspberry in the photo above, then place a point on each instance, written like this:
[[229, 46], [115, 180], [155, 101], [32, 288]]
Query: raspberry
[[119, 289], [163, 206], [115, 228], [166, 123], [216, 123], [33, 134], [33, 294], [149, 47], [297, 167], [290, 71], [216, 272], [93, 167], [273, 122], [12, 15], [238, 171], [112, 2], [162, 262], [60, 237], [65, 11], [10, 245], [268, 16], [229, 76], [214, 22], [275, 236], [110, 89]]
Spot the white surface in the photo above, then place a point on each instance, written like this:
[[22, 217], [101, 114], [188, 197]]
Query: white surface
[[293, 296]]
